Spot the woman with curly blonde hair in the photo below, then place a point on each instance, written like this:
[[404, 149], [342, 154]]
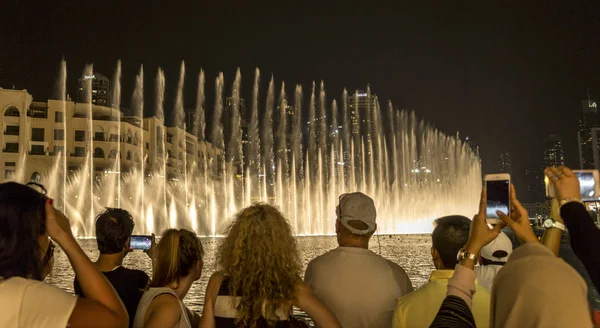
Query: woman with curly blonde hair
[[259, 282]]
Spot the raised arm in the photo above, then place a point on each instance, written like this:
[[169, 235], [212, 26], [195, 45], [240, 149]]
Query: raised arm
[[551, 237], [585, 238], [307, 301], [210, 297], [101, 307], [583, 233]]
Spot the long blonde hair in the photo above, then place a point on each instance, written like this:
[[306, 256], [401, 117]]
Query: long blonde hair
[[261, 258], [177, 254]]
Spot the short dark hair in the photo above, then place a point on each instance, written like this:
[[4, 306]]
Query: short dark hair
[[449, 236], [113, 227], [22, 222]]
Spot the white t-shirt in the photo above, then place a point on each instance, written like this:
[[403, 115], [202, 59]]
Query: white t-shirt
[[358, 286], [486, 274], [32, 303]]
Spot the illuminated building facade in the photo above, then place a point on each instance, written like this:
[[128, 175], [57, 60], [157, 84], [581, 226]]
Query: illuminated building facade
[[100, 90], [553, 151], [588, 136]]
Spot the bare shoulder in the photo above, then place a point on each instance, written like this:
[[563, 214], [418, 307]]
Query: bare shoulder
[[166, 300], [164, 311]]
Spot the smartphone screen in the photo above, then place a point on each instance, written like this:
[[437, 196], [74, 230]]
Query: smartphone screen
[[587, 184], [140, 242], [497, 197]]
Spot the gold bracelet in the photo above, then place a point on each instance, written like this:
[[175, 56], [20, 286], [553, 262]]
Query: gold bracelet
[[569, 200]]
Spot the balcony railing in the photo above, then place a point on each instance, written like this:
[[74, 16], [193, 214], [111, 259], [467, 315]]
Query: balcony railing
[[37, 153], [5, 150]]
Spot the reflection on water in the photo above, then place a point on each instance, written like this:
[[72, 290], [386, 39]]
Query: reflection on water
[[412, 252]]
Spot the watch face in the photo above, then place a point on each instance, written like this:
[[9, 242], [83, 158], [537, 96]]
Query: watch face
[[548, 223]]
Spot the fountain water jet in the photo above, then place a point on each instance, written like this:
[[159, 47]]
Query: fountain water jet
[[413, 171]]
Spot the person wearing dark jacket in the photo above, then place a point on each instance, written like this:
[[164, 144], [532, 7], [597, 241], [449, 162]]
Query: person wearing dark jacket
[[584, 234]]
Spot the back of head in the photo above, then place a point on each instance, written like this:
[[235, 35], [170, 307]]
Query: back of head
[[177, 254], [357, 215], [113, 227], [449, 236], [22, 222], [537, 289], [261, 258]]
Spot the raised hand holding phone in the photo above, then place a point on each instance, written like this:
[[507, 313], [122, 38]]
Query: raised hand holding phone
[[564, 181], [497, 196], [518, 220], [480, 233]]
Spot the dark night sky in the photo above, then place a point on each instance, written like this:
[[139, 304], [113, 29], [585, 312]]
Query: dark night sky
[[506, 75]]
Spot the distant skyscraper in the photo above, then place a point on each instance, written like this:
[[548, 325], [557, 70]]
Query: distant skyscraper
[[361, 105], [588, 136], [553, 151], [190, 120], [228, 119], [534, 179], [100, 90], [504, 163]]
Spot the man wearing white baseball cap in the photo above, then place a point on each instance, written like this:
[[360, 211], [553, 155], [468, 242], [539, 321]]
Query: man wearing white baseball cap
[[357, 285], [492, 257]]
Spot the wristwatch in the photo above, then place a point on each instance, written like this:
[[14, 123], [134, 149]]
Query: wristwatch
[[464, 254], [551, 223]]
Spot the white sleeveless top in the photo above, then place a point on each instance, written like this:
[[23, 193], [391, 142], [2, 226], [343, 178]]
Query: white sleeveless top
[[33, 303], [148, 297]]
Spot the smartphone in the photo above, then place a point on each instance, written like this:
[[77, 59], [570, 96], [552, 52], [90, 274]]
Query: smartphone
[[138, 242], [497, 188], [589, 186]]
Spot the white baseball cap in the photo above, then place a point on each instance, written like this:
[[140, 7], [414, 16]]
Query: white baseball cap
[[357, 206], [498, 250]]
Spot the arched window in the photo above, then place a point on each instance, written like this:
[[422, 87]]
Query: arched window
[[180, 156], [36, 177], [99, 133], [12, 111], [136, 138], [136, 158], [128, 155], [98, 153], [113, 153], [129, 136]]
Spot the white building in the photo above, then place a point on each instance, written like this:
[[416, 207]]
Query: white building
[[36, 133]]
